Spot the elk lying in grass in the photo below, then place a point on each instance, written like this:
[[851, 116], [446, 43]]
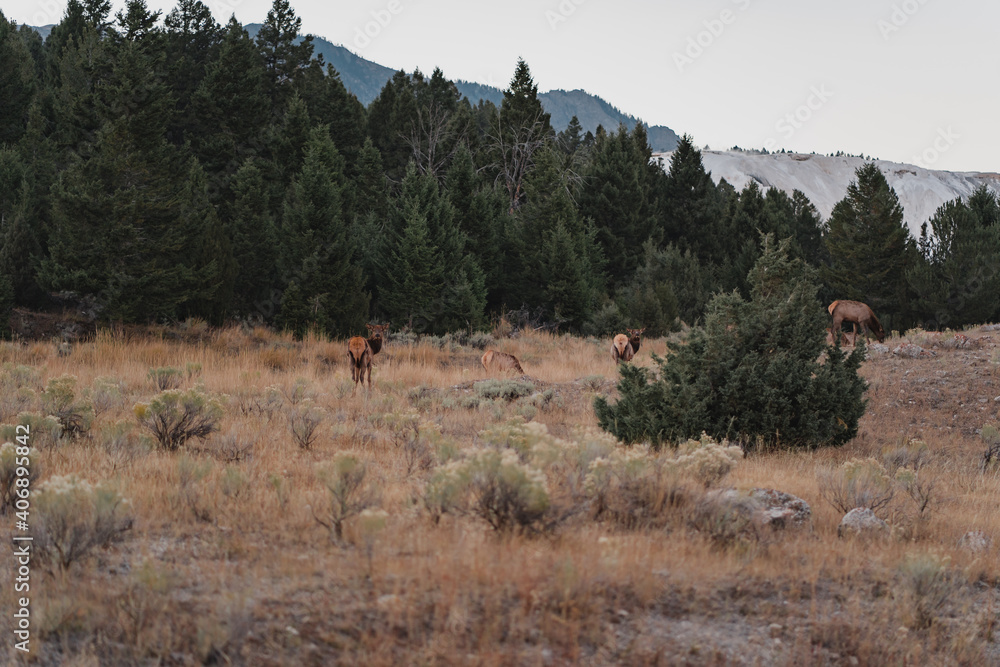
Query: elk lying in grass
[[623, 347], [500, 361], [362, 351], [858, 314]]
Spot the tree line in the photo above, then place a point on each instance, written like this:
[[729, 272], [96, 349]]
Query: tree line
[[166, 167]]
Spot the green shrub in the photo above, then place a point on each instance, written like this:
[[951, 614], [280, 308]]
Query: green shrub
[[755, 373], [345, 481], [70, 517], [304, 418], [43, 429], [173, 416], [857, 483], [9, 464], [59, 400], [166, 377], [505, 389], [925, 585], [107, 394]]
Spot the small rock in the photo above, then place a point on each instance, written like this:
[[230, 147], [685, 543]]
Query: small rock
[[782, 510], [909, 351], [862, 522], [878, 349], [775, 629]]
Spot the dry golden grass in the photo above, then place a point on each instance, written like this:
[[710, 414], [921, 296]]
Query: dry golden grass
[[229, 565]]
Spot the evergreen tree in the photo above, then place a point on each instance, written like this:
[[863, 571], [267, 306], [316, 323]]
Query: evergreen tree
[[549, 239], [315, 253], [956, 281], [517, 132], [480, 214], [571, 139], [621, 195], [668, 288], [428, 280], [284, 59], [232, 110], [115, 231], [250, 228], [753, 374], [192, 38], [19, 244], [870, 247], [17, 82], [331, 104], [693, 209]]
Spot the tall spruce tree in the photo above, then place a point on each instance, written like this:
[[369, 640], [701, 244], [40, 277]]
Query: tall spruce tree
[[115, 231], [284, 60], [752, 375], [251, 231], [315, 253], [428, 280], [870, 247], [693, 209], [621, 195], [556, 260], [18, 81], [516, 133], [956, 281]]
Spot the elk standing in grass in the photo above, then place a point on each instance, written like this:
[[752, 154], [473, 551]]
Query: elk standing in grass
[[362, 351], [858, 314], [500, 361], [623, 347]]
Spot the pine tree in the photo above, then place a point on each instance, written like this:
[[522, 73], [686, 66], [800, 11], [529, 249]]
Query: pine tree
[[692, 208], [192, 38], [517, 132], [19, 243], [870, 247], [115, 231], [753, 374], [284, 60], [250, 228], [550, 238], [621, 195], [18, 82], [232, 110], [331, 104], [428, 280], [480, 214], [668, 288], [956, 281], [314, 250]]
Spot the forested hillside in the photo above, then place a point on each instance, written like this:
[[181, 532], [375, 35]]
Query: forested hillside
[[166, 167]]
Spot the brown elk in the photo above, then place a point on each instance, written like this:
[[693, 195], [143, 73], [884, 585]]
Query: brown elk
[[623, 347], [362, 351], [858, 314], [633, 338], [500, 361]]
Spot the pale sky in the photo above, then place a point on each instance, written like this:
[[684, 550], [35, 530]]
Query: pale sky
[[904, 80]]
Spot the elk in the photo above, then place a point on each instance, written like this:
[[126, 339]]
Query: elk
[[858, 314], [623, 347], [500, 361], [362, 351]]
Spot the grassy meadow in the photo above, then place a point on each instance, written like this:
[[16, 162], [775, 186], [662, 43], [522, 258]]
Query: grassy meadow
[[233, 549]]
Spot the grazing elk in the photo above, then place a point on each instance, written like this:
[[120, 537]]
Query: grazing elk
[[500, 361], [858, 314], [362, 351]]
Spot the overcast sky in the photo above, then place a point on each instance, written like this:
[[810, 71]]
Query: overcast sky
[[904, 80]]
